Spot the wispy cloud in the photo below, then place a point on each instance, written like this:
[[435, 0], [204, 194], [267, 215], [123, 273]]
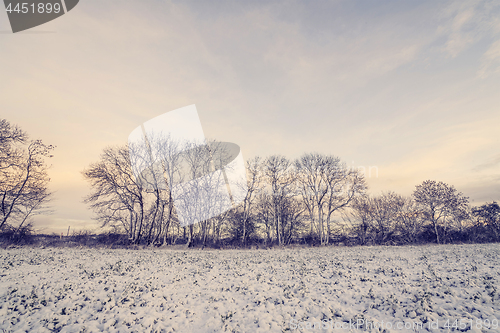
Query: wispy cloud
[[492, 164], [490, 62], [466, 23], [459, 37]]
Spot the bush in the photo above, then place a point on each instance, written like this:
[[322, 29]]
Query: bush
[[19, 236]]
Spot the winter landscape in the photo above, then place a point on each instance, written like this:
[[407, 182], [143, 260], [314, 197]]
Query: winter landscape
[[249, 166], [339, 289]]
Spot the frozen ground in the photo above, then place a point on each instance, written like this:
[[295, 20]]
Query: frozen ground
[[91, 290]]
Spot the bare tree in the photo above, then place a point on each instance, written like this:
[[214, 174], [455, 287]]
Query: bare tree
[[203, 191], [280, 176], [385, 212], [410, 220], [219, 225], [129, 188], [344, 186], [326, 186], [117, 198], [377, 217], [10, 135], [23, 176], [360, 218], [263, 214], [150, 183], [312, 173], [488, 217], [254, 185], [291, 210], [439, 203]]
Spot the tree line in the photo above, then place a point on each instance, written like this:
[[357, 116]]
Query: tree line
[[314, 199]]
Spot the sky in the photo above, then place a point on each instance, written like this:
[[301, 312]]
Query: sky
[[408, 88]]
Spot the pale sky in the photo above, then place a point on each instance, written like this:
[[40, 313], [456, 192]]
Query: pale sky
[[411, 87]]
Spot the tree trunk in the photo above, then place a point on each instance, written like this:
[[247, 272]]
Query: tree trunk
[[436, 231]]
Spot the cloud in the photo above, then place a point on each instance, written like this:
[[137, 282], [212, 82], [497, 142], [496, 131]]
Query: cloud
[[466, 23], [459, 38], [492, 163], [490, 62], [482, 191]]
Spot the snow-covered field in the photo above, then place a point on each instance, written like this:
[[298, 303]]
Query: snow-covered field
[[335, 289]]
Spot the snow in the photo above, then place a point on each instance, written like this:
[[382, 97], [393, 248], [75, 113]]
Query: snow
[[299, 290]]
